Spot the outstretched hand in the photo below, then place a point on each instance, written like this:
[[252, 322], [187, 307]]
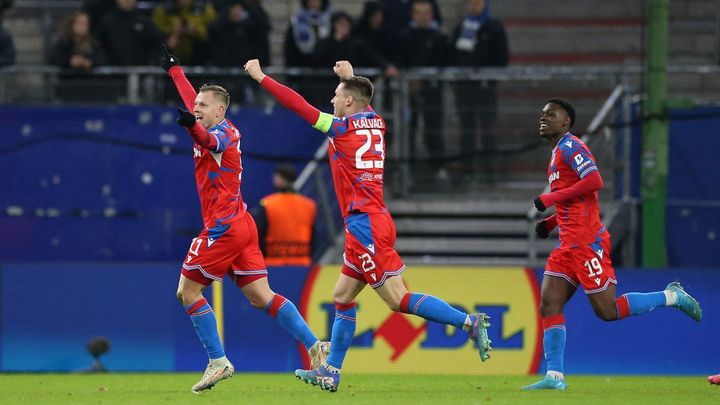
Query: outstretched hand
[[167, 60], [343, 69], [254, 70], [185, 118]]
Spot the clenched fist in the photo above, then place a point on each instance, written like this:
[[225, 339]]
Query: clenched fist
[[253, 68]]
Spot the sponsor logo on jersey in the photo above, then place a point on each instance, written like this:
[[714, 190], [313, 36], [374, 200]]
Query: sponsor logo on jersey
[[393, 342], [553, 176], [197, 152], [211, 241]]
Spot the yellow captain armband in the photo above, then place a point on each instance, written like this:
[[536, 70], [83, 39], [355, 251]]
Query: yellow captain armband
[[324, 122]]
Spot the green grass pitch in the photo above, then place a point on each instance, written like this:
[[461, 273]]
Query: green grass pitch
[[174, 388]]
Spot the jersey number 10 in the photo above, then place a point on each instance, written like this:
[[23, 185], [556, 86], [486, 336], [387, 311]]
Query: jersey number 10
[[379, 147]]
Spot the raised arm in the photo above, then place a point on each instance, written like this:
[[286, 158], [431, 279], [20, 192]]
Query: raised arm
[[171, 64], [286, 96]]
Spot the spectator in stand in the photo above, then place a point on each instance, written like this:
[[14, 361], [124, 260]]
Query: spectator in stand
[[308, 26], [7, 46], [479, 41], [240, 34], [97, 10], [423, 45], [342, 45], [76, 49], [374, 29], [128, 37], [398, 13], [185, 24], [77, 52]]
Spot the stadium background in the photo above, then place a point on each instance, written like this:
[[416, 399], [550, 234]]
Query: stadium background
[[98, 205]]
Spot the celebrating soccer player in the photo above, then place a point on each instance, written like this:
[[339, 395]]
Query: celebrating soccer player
[[583, 255], [229, 242], [357, 156]]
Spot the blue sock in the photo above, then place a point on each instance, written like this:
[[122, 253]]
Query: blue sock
[[203, 319], [433, 309], [289, 317], [554, 341], [343, 331], [640, 303]]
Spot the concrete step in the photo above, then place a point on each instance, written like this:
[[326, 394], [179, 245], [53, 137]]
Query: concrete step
[[439, 260], [457, 208], [474, 247], [463, 226], [575, 39], [567, 9]]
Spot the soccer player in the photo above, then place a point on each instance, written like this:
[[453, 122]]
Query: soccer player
[[714, 379], [357, 154], [583, 255], [229, 242]]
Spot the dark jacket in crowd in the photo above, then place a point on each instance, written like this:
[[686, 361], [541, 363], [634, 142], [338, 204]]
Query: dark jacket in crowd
[[7, 48], [491, 48], [64, 49], [233, 43], [129, 38], [424, 47], [383, 40]]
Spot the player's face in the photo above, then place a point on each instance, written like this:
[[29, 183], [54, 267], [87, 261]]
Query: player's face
[[554, 121], [208, 110], [340, 101]]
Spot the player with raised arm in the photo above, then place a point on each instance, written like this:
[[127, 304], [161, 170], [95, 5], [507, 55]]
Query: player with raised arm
[[228, 243], [357, 155], [583, 254]]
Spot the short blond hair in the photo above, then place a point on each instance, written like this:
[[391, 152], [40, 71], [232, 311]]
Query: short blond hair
[[217, 91]]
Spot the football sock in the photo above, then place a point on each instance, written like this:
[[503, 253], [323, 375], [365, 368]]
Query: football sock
[[289, 317], [639, 303], [554, 342], [343, 330], [433, 309], [203, 319]]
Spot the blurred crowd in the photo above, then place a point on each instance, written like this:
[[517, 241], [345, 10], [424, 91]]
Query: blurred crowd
[[390, 34]]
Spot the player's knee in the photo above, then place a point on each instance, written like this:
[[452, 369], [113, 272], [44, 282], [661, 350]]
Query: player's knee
[[606, 314], [549, 308], [394, 306], [342, 298], [179, 295], [257, 302]]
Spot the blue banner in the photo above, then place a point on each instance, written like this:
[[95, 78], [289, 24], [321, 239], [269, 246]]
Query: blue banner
[[117, 183], [49, 311]]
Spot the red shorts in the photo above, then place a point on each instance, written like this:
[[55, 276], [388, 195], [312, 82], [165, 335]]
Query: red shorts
[[589, 265], [235, 252], [370, 254]]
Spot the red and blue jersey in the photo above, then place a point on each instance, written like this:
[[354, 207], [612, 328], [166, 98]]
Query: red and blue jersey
[[357, 159], [218, 174], [578, 218]]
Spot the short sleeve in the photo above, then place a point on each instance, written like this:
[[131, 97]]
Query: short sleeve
[[222, 136], [577, 157]]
